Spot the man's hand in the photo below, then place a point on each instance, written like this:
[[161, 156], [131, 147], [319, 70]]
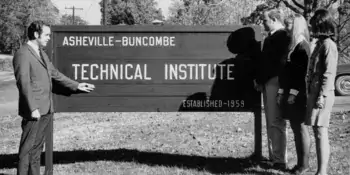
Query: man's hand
[[259, 88], [279, 99], [86, 87], [291, 99], [320, 102], [36, 114]]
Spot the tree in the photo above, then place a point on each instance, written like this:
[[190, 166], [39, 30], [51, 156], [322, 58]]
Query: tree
[[196, 12], [304, 7], [131, 12], [339, 8], [68, 20], [343, 30], [209, 12], [16, 15]]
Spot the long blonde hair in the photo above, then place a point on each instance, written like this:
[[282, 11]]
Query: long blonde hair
[[300, 32]]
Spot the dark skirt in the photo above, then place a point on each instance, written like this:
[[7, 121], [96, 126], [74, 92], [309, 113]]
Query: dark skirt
[[296, 111]]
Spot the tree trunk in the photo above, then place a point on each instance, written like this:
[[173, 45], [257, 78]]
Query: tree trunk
[[307, 10]]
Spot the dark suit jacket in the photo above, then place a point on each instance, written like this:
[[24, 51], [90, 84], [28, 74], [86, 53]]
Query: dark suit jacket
[[292, 76], [34, 81], [274, 50]]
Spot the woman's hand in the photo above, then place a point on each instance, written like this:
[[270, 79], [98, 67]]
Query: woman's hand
[[320, 102], [291, 99]]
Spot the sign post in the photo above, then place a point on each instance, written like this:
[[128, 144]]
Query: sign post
[[157, 69]]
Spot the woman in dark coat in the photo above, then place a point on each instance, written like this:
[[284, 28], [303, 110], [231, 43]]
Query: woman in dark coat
[[292, 93]]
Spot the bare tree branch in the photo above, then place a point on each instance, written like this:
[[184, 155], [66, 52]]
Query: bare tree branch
[[330, 3], [298, 4], [344, 37], [343, 49], [208, 11], [290, 6], [344, 23]]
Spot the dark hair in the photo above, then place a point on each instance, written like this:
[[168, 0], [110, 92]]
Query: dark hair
[[322, 24], [36, 26]]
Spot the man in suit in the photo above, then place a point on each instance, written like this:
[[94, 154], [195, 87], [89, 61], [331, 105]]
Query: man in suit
[[34, 73], [275, 48]]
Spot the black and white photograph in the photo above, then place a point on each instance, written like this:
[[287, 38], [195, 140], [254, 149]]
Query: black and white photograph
[[174, 87]]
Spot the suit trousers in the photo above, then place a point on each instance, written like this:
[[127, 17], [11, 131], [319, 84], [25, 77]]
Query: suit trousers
[[31, 144], [275, 124]]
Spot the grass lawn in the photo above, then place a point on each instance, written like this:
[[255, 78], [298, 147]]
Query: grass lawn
[[163, 144]]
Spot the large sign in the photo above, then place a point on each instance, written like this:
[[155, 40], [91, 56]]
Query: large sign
[[157, 68]]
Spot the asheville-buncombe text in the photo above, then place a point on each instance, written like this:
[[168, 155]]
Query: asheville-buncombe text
[[141, 72], [167, 41]]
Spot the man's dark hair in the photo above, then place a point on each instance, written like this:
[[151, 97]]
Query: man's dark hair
[[36, 26], [323, 24]]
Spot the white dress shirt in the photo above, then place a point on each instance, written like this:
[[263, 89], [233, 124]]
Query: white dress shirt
[[34, 46]]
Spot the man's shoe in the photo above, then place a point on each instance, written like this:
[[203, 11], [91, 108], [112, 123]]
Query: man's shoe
[[280, 166]]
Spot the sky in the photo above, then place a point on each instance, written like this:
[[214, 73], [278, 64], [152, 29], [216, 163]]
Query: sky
[[91, 9]]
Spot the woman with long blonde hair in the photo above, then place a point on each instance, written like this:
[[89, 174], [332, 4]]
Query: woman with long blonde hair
[[292, 93]]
